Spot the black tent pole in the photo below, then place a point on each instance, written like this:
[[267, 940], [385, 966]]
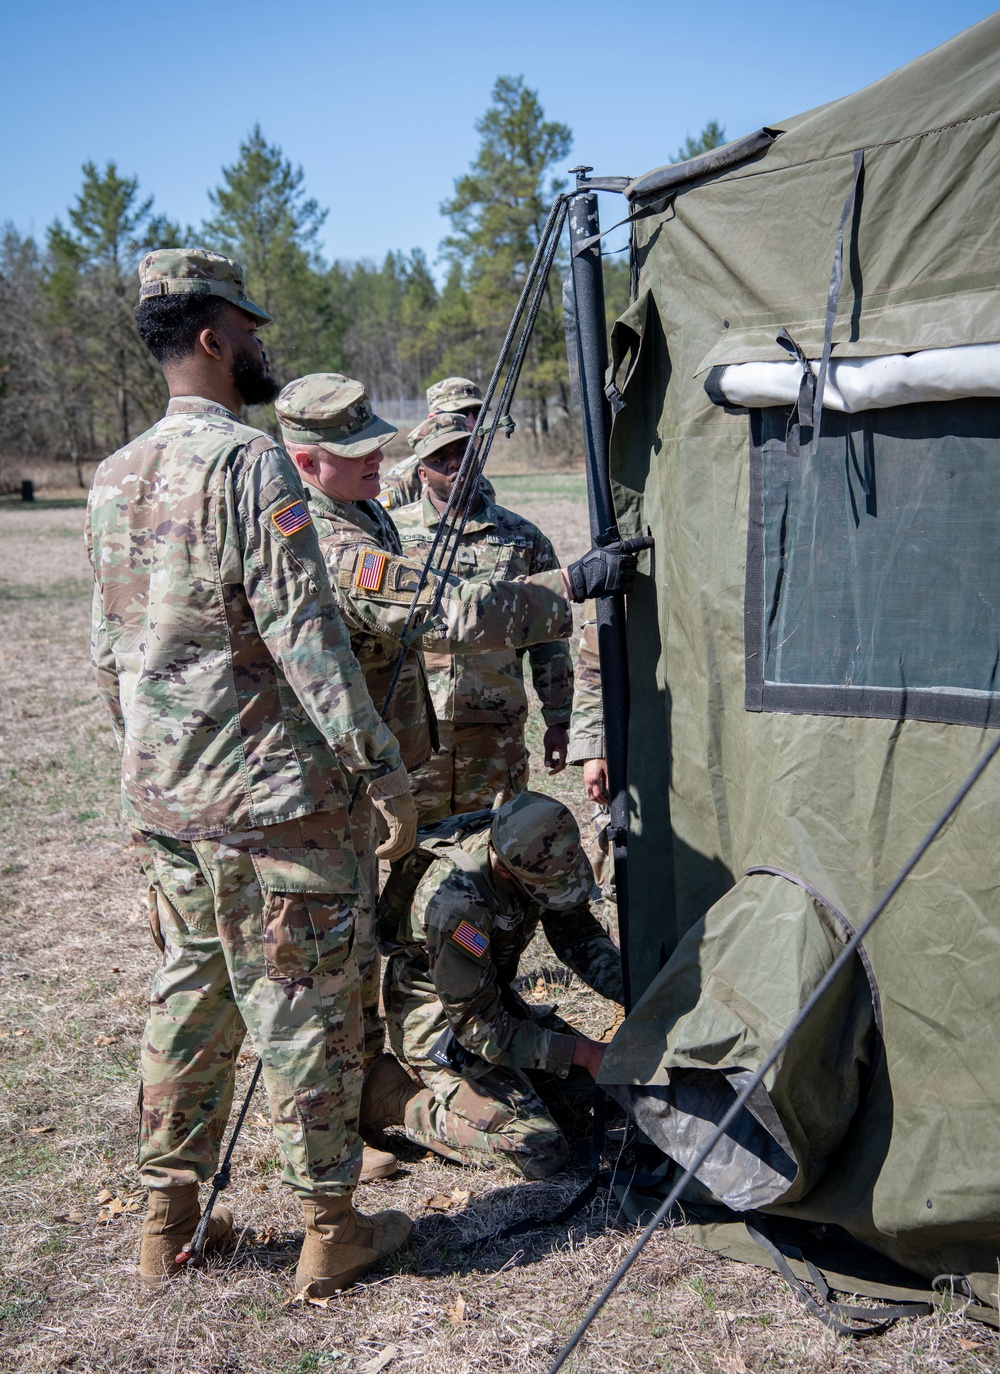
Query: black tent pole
[[592, 352]]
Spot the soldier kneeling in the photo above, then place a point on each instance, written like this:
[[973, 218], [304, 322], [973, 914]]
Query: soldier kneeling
[[455, 917]]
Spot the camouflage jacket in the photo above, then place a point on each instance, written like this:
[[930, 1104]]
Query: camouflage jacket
[[401, 484], [488, 689], [586, 729], [219, 650], [460, 951], [475, 618]]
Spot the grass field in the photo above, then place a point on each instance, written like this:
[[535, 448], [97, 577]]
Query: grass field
[[75, 969]]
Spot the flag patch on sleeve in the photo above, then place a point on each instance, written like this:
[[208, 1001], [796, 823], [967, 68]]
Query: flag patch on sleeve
[[370, 571], [470, 939], [290, 519]]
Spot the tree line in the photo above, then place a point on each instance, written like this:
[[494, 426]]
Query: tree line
[[76, 383]]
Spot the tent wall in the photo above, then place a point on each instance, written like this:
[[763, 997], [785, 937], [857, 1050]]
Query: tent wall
[[839, 801]]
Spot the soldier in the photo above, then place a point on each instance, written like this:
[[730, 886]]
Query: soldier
[[486, 1061], [239, 707], [453, 396], [335, 439], [480, 702]]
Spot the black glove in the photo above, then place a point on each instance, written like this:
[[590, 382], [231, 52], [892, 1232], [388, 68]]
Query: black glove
[[607, 569]]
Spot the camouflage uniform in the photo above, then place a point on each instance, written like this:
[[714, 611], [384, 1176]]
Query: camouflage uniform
[[401, 484], [455, 958], [586, 741], [472, 619], [238, 705], [480, 702]]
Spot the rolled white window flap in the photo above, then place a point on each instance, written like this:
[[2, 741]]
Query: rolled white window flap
[[857, 384]]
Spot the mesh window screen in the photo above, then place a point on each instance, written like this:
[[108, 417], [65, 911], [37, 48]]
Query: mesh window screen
[[873, 565]]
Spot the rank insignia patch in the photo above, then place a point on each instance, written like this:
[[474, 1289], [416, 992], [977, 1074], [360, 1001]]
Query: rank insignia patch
[[470, 940], [370, 571], [291, 519]]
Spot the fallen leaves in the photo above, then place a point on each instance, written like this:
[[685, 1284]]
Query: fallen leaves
[[22, 1030], [444, 1202], [40, 1130], [118, 1207], [106, 1040], [966, 1344], [259, 1119], [74, 1216], [379, 1361]]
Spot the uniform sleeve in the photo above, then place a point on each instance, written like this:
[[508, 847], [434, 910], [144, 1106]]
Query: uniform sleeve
[[474, 618], [551, 664], [103, 658], [285, 579], [580, 941], [586, 734], [483, 1012]]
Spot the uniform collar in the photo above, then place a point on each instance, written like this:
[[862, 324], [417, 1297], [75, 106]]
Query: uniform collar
[[364, 515], [193, 405]]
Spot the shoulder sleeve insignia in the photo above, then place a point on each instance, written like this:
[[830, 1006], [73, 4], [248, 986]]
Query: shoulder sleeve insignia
[[292, 518], [471, 940], [369, 571]]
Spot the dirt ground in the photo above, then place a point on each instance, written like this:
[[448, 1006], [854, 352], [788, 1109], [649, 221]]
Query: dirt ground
[[75, 968]]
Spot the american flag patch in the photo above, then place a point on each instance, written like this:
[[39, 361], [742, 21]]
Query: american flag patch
[[291, 519], [370, 571], [470, 939]]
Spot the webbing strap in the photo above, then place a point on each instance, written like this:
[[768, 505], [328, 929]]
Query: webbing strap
[[833, 294], [835, 1315]]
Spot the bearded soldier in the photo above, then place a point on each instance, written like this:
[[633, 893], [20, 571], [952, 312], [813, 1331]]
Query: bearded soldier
[[242, 713], [458, 913]]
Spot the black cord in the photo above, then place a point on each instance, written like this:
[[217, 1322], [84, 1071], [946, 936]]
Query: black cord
[[780, 1046], [191, 1253]]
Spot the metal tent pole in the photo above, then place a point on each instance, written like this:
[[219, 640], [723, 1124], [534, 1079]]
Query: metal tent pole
[[592, 351]]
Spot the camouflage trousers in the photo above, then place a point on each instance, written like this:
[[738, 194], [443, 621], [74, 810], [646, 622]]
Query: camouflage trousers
[[257, 934], [364, 839], [483, 1114], [474, 764]]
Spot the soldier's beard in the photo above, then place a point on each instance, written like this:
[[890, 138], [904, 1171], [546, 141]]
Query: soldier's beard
[[252, 379]]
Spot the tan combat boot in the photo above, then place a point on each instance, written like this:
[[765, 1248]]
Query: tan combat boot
[[170, 1224], [376, 1164], [340, 1244], [386, 1090]]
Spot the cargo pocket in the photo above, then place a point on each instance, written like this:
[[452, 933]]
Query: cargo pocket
[[308, 902]]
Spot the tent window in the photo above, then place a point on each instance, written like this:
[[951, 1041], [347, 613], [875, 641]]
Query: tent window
[[873, 564]]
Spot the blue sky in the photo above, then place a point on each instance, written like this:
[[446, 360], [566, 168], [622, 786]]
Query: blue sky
[[378, 101]]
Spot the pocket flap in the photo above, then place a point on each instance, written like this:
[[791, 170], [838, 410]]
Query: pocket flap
[[307, 870]]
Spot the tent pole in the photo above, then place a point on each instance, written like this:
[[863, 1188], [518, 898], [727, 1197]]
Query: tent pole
[[592, 350]]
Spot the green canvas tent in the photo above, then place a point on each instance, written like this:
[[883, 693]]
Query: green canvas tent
[[814, 663]]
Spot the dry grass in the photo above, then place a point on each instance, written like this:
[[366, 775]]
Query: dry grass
[[73, 983]]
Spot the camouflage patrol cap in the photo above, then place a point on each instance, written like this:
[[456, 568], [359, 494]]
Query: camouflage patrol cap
[[195, 272], [435, 432], [454, 395], [538, 840], [333, 411]]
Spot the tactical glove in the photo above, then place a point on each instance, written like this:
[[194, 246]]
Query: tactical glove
[[399, 815], [607, 569]]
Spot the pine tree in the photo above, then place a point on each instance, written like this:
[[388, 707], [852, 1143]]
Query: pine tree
[[111, 385], [265, 220], [497, 213], [712, 136]]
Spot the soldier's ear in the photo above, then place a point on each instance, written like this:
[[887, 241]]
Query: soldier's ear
[[303, 460]]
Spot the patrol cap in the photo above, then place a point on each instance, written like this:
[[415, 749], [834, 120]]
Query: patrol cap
[[195, 272], [537, 838], [454, 395], [331, 410], [435, 432]]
